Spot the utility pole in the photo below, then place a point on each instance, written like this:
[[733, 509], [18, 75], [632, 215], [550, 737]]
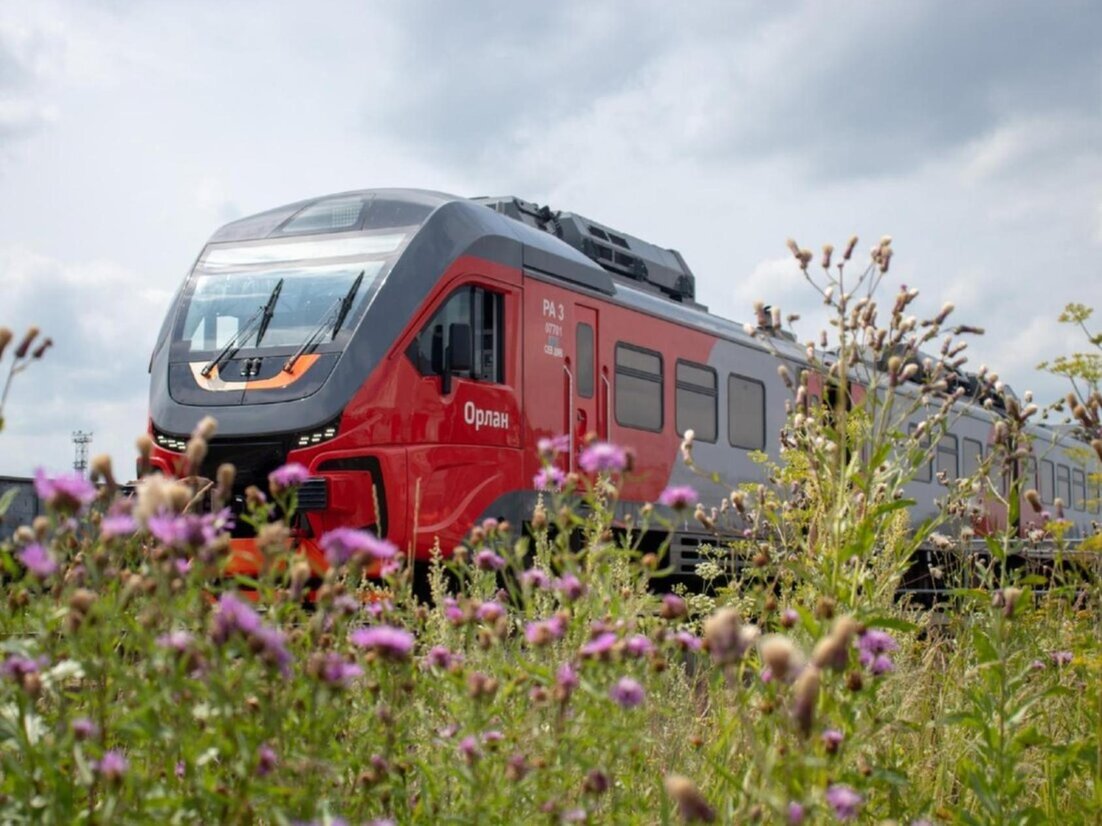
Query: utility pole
[[81, 440]]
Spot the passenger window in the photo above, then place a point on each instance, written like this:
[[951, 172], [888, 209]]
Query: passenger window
[[745, 412], [638, 387], [925, 472], [483, 312], [971, 456], [1047, 482], [947, 456], [584, 352], [1078, 490], [1095, 502], [697, 388], [1063, 484]]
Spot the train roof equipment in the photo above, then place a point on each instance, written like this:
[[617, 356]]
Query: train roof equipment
[[657, 268]]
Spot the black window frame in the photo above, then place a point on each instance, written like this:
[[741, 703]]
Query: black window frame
[[966, 443], [635, 373], [1066, 480], [942, 450], [925, 443], [475, 312], [1079, 481], [759, 383], [700, 390], [1046, 471]]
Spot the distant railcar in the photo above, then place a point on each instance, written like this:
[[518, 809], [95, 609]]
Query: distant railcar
[[410, 348]]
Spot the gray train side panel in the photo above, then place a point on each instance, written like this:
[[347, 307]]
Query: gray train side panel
[[24, 508]]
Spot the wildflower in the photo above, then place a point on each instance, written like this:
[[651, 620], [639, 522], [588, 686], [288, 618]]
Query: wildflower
[[290, 475], [596, 782], [805, 696], [845, 802], [673, 607], [678, 497], [468, 749], [795, 813], [566, 680], [1007, 599], [876, 642], [575, 815], [272, 645], [334, 670], [626, 692], [549, 447], [789, 617], [38, 560], [113, 765], [516, 767], [687, 641], [691, 804], [600, 645], [603, 457], [541, 632], [490, 611], [1062, 658], [549, 478], [721, 635], [638, 645], [180, 769], [342, 545], [832, 739], [780, 655], [535, 578], [880, 665], [442, 658], [68, 493], [189, 530], [832, 651], [118, 522], [17, 666], [177, 641], [492, 736], [570, 587], [84, 728], [232, 615], [392, 643], [266, 760], [487, 560]]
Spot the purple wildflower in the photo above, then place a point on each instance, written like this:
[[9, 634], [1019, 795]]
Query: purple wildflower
[[17, 666], [180, 770], [84, 728], [845, 802], [541, 632], [549, 447], [490, 611], [38, 560], [535, 578], [678, 497], [487, 560], [575, 815], [290, 475], [549, 478], [266, 760], [189, 530], [795, 813], [881, 664], [113, 765], [441, 657], [67, 493], [687, 641], [876, 642], [273, 648], [175, 640], [570, 587], [492, 736], [566, 678], [673, 607], [342, 545], [453, 612], [603, 457], [468, 749], [335, 671], [638, 645], [392, 643], [121, 524], [1062, 658], [832, 739], [599, 645], [233, 615], [626, 692], [767, 675]]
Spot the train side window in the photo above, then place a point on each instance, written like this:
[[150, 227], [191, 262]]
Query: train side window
[[1078, 490], [638, 387], [947, 457], [1095, 502], [745, 412], [483, 311], [1047, 482], [1063, 484], [971, 454], [584, 353], [697, 392], [925, 472]]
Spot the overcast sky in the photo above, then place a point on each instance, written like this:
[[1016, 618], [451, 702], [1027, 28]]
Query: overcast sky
[[969, 131]]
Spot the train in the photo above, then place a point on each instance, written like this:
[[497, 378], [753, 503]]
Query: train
[[411, 348]]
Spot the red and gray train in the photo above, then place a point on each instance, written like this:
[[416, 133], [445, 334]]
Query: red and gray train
[[410, 348]]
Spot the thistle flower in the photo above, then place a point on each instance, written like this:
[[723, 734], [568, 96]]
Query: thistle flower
[[627, 693], [550, 447], [392, 643], [490, 611], [571, 588], [603, 457], [67, 493], [687, 641], [83, 728], [832, 739], [334, 670], [805, 696], [342, 545], [549, 478], [38, 560], [117, 525], [795, 813], [178, 641], [781, 656], [290, 475], [845, 802], [266, 760], [468, 749], [722, 637], [678, 497], [691, 804], [638, 645], [542, 632], [487, 560], [113, 765], [600, 645], [566, 678], [673, 607], [535, 578], [1062, 658]]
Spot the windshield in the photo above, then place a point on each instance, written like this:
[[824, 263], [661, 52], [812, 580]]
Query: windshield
[[232, 286]]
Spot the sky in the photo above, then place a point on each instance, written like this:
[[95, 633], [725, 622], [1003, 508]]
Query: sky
[[129, 131]]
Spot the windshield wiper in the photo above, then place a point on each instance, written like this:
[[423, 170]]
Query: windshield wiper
[[340, 308], [262, 314]]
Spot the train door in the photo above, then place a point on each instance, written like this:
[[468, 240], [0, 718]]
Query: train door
[[589, 400]]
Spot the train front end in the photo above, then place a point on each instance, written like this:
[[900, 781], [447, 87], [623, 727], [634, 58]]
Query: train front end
[[283, 319]]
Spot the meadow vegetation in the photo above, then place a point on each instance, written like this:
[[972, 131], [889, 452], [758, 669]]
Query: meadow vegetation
[[554, 677]]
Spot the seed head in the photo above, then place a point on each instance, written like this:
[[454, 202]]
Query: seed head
[[691, 804], [805, 696], [25, 343]]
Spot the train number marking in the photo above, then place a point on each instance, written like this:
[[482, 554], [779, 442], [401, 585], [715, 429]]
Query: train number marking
[[480, 418], [552, 309]]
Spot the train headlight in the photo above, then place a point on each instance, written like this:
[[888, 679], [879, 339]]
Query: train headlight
[[314, 437], [170, 442]]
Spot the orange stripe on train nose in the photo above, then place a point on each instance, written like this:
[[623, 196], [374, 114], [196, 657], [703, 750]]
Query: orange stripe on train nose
[[283, 378]]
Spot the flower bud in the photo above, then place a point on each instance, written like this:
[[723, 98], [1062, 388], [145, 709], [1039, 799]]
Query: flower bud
[[25, 343], [691, 804], [805, 696], [5, 339]]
